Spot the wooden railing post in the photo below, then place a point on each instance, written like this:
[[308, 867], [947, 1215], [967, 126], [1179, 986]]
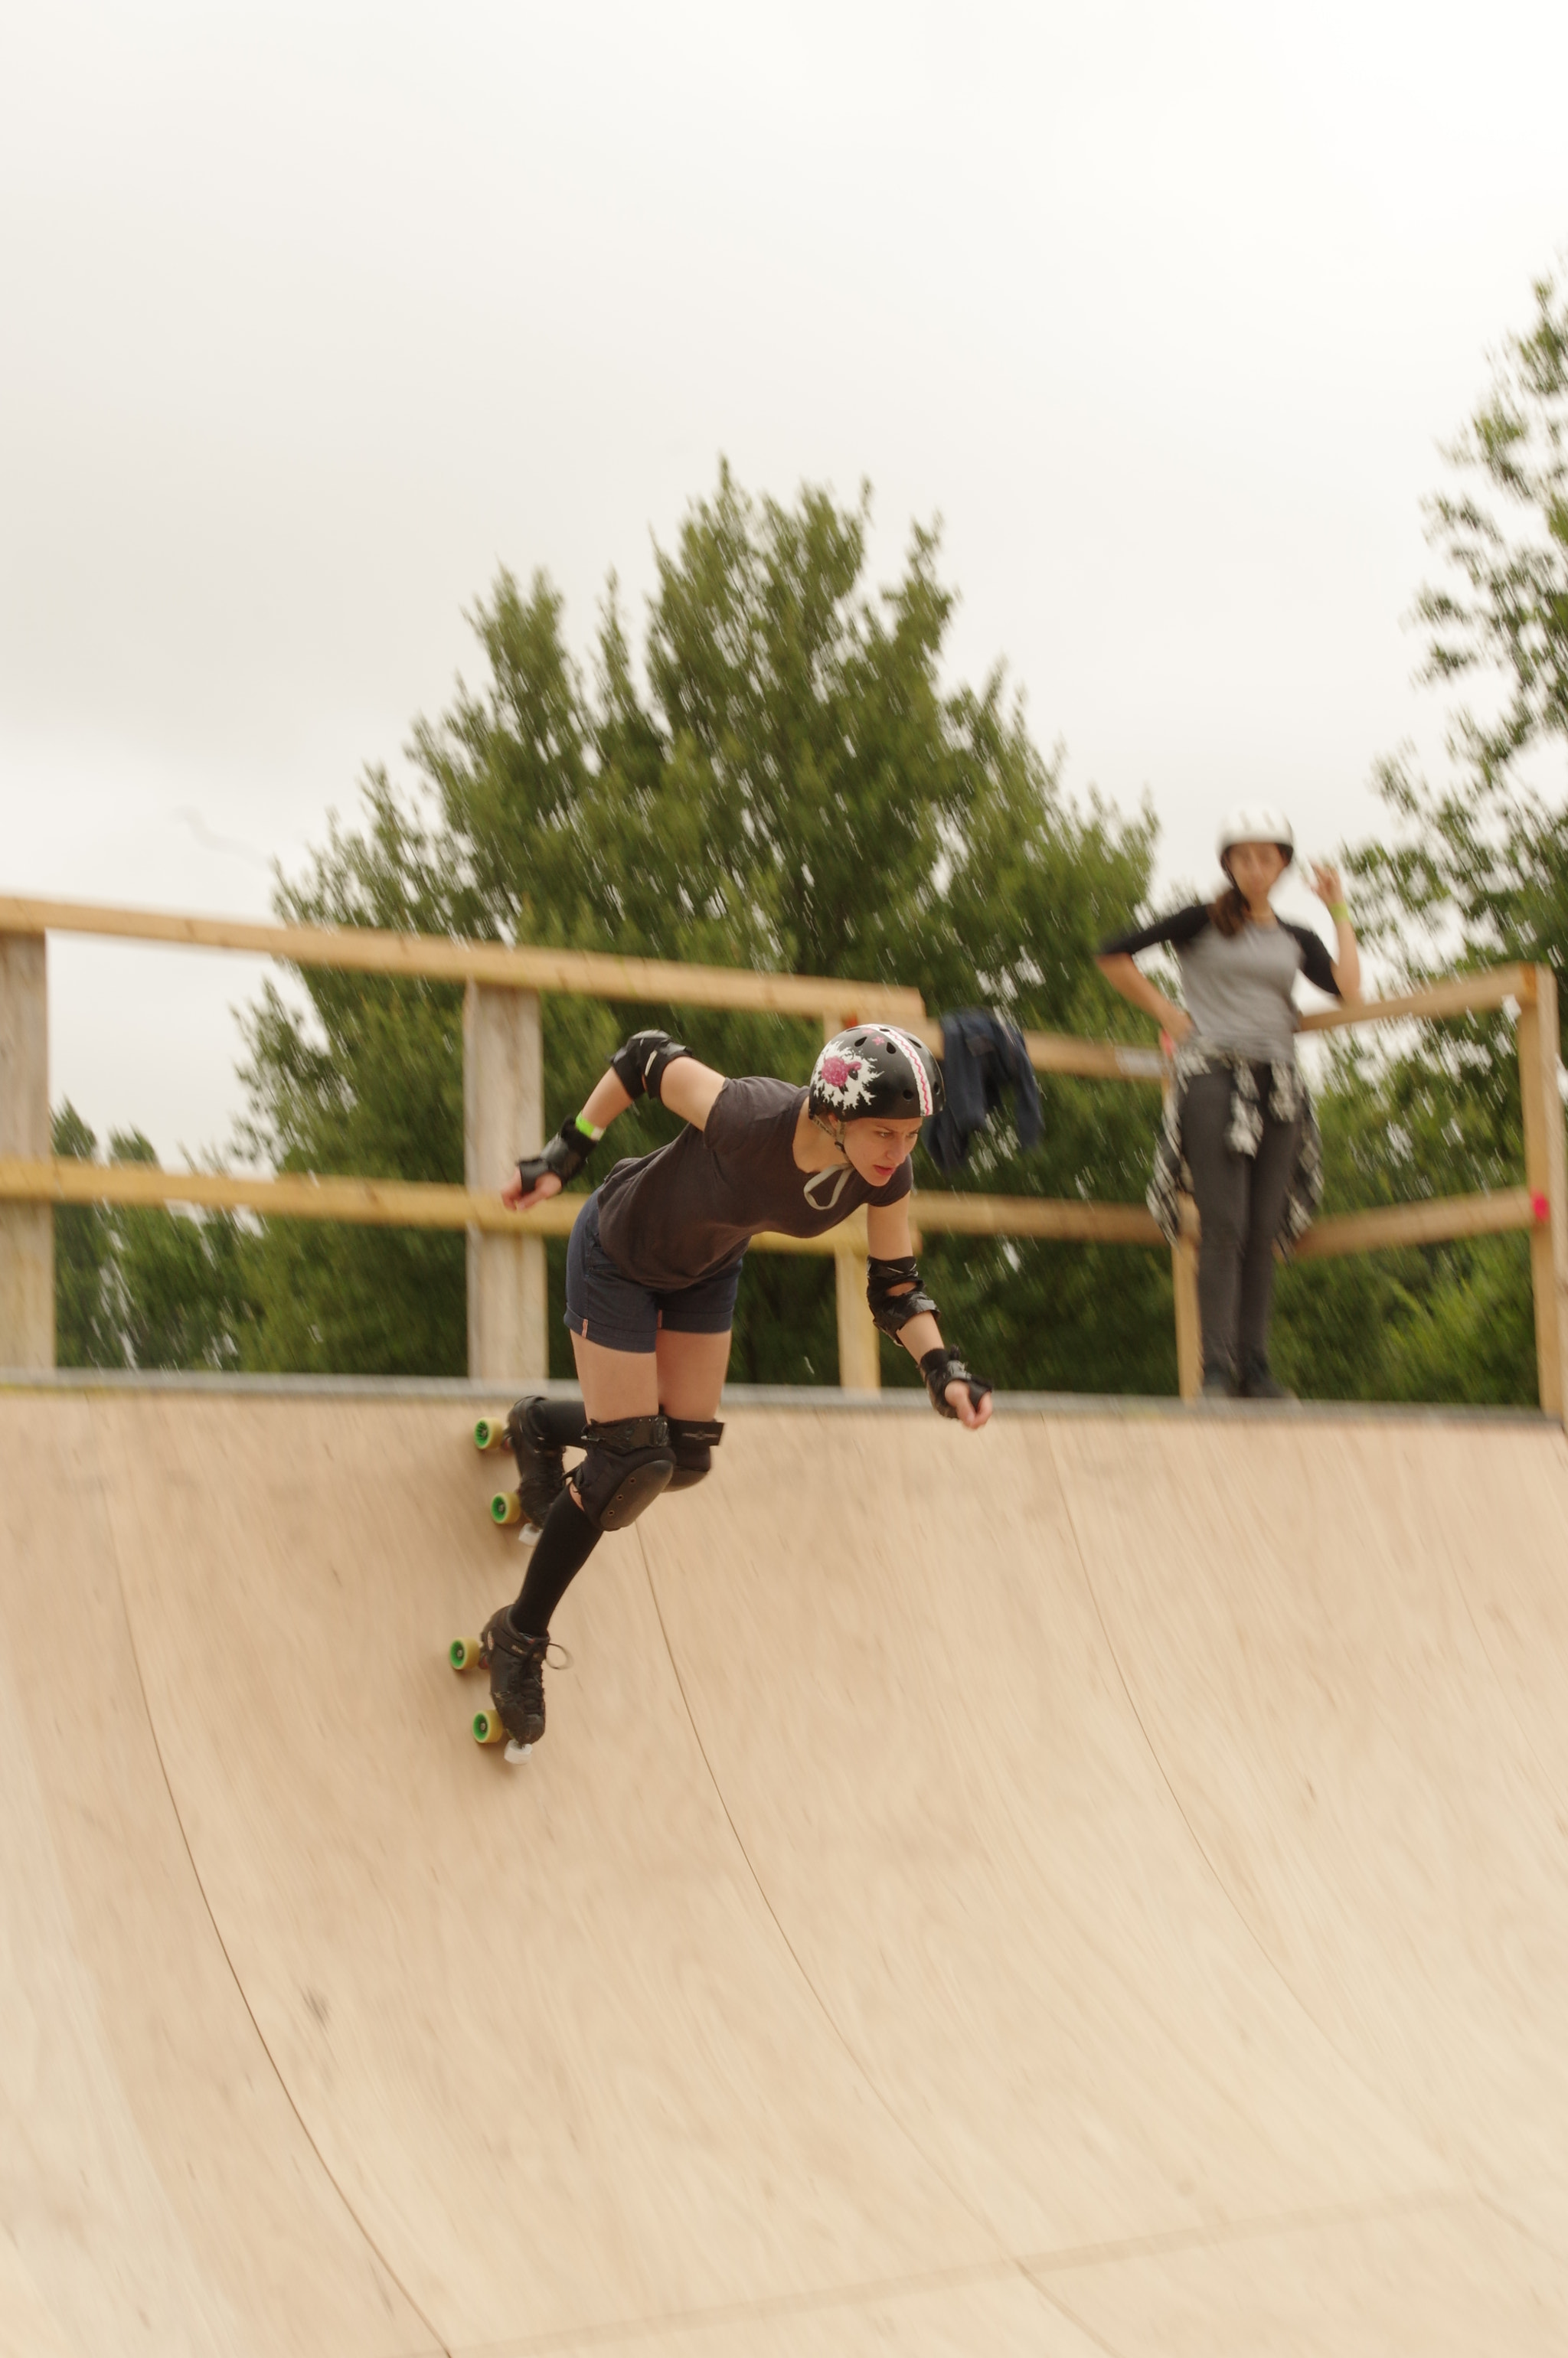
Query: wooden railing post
[[1185, 1283], [503, 1117], [860, 1353], [27, 1230], [1185, 1287], [1546, 1176]]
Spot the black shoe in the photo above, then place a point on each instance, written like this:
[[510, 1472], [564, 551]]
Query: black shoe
[[1220, 1385], [517, 1667], [540, 1462], [1257, 1383]]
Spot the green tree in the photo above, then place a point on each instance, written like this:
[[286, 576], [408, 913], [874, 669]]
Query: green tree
[[1473, 873], [785, 784], [84, 1251], [1478, 864], [140, 1287], [1452, 1322]]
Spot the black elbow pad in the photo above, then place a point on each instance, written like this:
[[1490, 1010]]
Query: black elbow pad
[[641, 1062], [895, 1293]]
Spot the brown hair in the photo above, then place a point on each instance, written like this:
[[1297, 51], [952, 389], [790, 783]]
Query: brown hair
[[1229, 913]]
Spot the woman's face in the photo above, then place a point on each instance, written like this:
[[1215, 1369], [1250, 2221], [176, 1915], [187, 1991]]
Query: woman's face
[[1255, 869], [875, 1148]]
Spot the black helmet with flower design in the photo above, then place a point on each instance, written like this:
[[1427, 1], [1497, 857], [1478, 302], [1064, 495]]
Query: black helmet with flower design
[[878, 1071]]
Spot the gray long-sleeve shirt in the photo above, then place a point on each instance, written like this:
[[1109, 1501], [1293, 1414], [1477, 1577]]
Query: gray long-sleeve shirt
[[1237, 986]]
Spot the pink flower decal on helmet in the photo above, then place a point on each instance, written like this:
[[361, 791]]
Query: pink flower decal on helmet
[[878, 1071]]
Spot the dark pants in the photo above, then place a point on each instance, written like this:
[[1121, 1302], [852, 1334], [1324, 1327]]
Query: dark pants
[[1240, 1199]]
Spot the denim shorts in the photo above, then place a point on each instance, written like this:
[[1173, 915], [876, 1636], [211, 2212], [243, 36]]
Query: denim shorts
[[604, 1305]]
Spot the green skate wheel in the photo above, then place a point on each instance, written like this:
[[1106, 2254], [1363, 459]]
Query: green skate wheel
[[506, 1507], [488, 1729], [488, 1435], [463, 1653]]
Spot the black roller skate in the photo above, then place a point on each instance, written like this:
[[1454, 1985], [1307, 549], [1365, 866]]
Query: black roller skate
[[517, 1667], [541, 1464]]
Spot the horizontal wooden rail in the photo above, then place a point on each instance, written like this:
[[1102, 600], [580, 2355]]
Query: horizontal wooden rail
[[358, 1203], [1059, 1052], [1117, 1060], [664, 981], [1094, 1060], [1465, 994], [295, 1196], [1032, 1215], [1436, 1221], [595, 974], [406, 1204], [433, 958]]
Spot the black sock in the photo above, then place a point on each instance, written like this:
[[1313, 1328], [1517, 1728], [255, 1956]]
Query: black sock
[[560, 1424], [563, 1547]]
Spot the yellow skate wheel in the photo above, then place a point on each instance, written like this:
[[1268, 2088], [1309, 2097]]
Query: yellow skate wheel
[[489, 1435], [506, 1507], [487, 1727], [463, 1653]]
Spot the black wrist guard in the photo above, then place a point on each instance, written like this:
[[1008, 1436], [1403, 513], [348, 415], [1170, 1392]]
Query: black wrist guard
[[640, 1065], [945, 1366], [892, 1310], [565, 1155]]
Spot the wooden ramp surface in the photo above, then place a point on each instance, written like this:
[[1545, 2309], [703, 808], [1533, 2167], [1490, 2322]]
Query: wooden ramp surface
[[1101, 1887]]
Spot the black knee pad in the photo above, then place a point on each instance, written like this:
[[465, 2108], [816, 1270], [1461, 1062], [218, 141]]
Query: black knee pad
[[693, 1445], [627, 1464]]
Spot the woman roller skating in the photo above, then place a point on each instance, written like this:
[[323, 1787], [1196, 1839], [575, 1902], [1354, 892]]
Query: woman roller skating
[[651, 1272]]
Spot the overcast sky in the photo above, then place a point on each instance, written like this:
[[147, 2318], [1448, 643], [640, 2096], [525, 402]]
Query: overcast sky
[[314, 316]]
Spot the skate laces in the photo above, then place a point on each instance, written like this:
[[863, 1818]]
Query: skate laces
[[551, 1655]]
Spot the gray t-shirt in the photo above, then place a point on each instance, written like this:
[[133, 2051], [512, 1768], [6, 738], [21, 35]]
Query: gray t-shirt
[[1237, 986], [692, 1208]]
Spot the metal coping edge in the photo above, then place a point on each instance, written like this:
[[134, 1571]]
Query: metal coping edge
[[802, 1397]]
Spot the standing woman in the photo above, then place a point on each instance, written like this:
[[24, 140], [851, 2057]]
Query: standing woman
[[1240, 1130], [652, 1273]]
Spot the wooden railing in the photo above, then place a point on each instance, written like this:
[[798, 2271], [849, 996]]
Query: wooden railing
[[504, 1116]]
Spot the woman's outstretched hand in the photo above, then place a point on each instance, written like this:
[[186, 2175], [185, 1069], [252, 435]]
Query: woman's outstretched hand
[[513, 1198], [1327, 882], [963, 1407]]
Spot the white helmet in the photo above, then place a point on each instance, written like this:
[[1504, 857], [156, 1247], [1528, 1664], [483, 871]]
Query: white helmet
[[1253, 823]]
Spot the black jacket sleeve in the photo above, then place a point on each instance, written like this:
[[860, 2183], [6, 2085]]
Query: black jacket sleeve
[[1317, 964], [1181, 926]]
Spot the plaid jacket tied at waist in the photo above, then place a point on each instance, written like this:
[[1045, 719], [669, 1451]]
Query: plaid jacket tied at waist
[[1288, 1097]]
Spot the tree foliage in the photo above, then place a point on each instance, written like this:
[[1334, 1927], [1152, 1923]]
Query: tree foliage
[[1477, 864], [1473, 873], [781, 777], [783, 782], [143, 1287]]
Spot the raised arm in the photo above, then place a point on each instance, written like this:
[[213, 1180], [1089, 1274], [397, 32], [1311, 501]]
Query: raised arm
[[895, 1281], [650, 1064], [1329, 887]]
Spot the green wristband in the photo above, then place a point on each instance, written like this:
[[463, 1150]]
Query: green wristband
[[1340, 911], [589, 1130]]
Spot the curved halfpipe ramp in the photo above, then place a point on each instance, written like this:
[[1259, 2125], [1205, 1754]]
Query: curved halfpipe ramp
[[1096, 1889]]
